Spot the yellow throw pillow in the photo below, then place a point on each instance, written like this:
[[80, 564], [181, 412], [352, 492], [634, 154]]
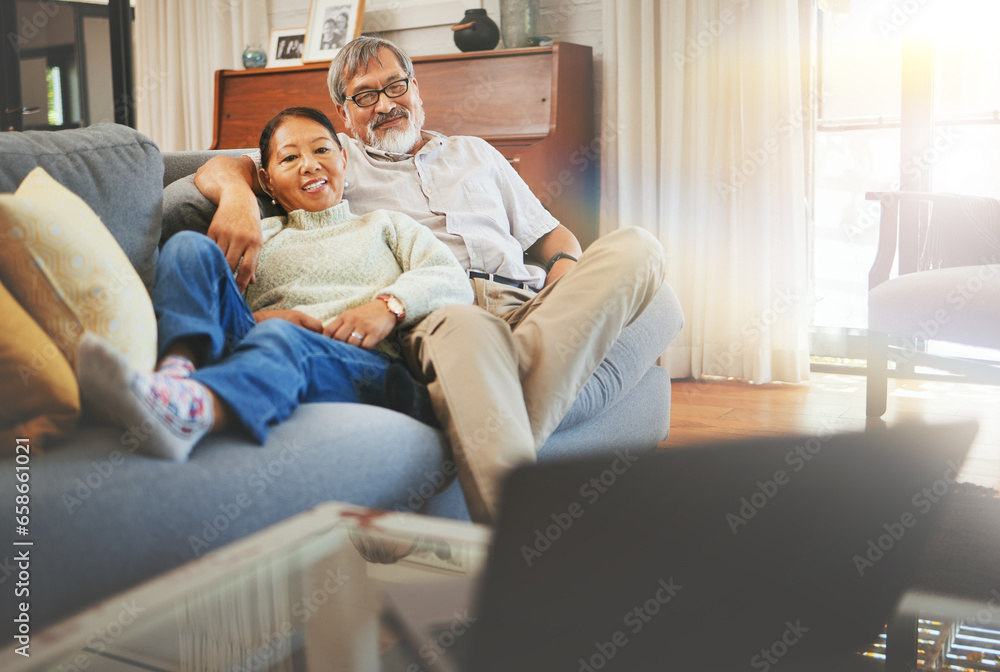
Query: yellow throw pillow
[[39, 396], [69, 273]]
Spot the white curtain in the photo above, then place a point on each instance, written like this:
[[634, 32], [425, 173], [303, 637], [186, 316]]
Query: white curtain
[[179, 44], [703, 138]]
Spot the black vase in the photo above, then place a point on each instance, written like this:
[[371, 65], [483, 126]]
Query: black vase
[[476, 32]]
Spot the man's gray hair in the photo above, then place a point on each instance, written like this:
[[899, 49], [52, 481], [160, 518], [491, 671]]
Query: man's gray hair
[[354, 57]]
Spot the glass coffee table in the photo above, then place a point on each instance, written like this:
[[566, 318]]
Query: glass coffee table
[[338, 587]]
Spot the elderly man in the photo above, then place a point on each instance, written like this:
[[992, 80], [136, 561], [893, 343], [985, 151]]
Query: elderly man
[[503, 373]]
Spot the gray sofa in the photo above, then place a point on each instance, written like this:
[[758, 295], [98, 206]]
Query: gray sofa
[[105, 518]]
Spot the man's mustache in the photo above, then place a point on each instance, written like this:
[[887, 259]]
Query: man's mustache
[[386, 116]]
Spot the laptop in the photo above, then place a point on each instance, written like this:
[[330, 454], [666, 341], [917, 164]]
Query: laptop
[[779, 553]]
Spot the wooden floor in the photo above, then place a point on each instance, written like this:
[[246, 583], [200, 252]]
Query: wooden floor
[[703, 412]]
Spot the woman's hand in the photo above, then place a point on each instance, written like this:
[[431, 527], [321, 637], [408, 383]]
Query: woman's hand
[[294, 316], [229, 182], [373, 320]]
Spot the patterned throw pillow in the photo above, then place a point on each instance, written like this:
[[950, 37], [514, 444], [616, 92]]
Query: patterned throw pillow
[[39, 396], [69, 273]]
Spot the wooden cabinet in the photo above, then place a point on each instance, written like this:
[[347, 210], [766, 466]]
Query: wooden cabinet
[[535, 105]]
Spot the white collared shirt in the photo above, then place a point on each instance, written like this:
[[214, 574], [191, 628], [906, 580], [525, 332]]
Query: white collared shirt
[[463, 190]]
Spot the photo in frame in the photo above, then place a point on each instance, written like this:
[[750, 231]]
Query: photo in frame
[[332, 24], [286, 47]]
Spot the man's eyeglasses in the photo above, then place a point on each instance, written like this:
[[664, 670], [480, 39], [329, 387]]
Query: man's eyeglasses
[[391, 90]]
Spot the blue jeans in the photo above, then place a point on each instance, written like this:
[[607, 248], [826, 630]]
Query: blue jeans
[[261, 371]]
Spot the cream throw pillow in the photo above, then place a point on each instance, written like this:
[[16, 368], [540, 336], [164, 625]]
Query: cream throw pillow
[[69, 273]]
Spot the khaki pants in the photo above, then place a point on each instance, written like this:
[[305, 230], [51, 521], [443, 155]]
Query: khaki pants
[[503, 373]]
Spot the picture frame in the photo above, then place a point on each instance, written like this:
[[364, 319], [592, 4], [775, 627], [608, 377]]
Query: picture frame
[[286, 47], [332, 24]]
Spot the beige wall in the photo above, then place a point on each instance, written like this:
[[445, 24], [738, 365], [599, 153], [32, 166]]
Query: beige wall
[[577, 21]]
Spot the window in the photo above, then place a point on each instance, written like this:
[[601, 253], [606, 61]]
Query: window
[[54, 84], [858, 136]]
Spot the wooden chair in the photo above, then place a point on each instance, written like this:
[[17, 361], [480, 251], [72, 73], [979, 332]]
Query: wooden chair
[[947, 286]]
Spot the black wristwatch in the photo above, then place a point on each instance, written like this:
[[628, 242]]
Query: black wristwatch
[[556, 257]]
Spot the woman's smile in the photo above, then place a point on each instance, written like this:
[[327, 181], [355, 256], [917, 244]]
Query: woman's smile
[[312, 186]]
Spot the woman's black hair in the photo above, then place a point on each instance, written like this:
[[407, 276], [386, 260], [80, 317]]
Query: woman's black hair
[[310, 113]]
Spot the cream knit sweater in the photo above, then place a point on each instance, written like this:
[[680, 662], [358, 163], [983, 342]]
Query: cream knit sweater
[[323, 263]]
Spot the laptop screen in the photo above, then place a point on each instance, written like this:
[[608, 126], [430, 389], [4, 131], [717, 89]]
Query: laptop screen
[[786, 553]]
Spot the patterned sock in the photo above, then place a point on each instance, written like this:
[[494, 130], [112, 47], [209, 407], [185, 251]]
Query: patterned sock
[[178, 409], [182, 404], [175, 366]]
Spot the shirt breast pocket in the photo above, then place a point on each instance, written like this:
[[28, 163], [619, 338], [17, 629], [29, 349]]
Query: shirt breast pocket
[[479, 202], [479, 218]]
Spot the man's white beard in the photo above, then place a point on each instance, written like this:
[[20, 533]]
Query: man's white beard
[[397, 140]]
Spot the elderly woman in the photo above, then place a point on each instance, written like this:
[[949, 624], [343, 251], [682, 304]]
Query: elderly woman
[[331, 290]]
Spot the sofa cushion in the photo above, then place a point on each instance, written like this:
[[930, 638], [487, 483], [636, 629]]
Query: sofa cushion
[[69, 273], [116, 170], [112, 518], [959, 304], [39, 396]]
